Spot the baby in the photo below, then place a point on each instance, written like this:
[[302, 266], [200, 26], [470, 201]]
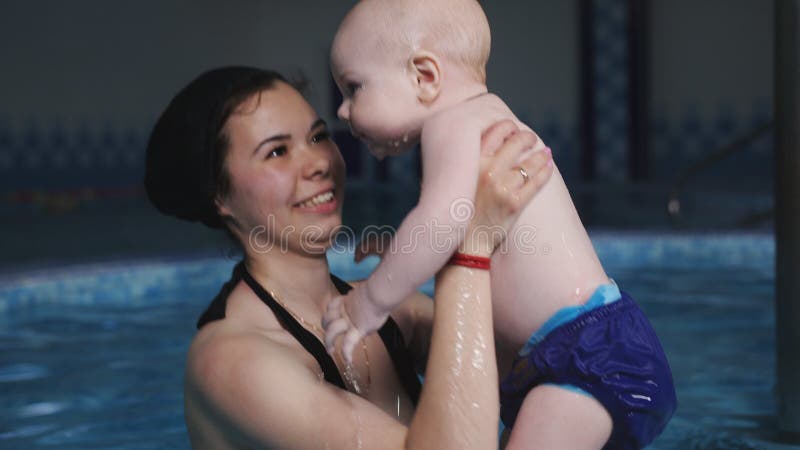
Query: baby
[[574, 353]]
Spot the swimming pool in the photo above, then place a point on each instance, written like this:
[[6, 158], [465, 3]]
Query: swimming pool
[[91, 357]]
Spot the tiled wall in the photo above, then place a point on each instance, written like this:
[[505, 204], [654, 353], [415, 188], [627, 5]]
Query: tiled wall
[[611, 88], [690, 116], [51, 156], [710, 84], [678, 144]]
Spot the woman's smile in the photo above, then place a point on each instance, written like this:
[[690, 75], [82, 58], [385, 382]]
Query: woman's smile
[[323, 203]]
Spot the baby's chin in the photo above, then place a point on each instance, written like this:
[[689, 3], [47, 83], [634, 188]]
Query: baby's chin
[[392, 148]]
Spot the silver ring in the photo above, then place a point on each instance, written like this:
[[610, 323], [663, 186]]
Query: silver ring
[[524, 174]]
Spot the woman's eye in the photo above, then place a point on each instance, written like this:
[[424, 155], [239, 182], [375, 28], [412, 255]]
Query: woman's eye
[[275, 152], [321, 136]]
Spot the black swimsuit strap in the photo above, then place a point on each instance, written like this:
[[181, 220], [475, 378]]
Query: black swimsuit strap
[[390, 333], [308, 340], [216, 310]]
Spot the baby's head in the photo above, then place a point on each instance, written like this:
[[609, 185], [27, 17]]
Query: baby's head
[[398, 61]]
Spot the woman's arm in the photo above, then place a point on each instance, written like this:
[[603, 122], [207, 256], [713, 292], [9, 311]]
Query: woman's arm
[[461, 380], [460, 391]]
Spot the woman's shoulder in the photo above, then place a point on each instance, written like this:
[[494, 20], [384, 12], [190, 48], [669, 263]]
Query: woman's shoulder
[[249, 339], [220, 351], [249, 384]]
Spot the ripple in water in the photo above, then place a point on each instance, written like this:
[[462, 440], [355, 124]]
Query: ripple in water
[[40, 409], [27, 431], [22, 372]]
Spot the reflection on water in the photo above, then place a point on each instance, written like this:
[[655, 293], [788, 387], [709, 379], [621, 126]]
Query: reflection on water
[[106, 371]]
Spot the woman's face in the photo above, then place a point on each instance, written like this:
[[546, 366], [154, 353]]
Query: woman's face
[[286, 174]]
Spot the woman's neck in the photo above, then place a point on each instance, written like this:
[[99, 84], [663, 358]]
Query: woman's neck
[[298, 279]]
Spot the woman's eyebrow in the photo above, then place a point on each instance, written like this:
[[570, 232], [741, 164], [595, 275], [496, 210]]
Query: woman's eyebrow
[[277, 137], [317, 123]]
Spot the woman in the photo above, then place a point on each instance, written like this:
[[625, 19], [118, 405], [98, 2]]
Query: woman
[[241, 149]]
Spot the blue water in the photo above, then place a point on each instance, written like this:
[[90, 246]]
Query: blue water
[[91, 357]]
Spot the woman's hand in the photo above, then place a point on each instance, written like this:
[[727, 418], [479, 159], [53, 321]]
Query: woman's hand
[[505, 187]]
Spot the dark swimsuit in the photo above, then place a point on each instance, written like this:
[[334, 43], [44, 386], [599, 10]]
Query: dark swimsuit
[[389, 333]]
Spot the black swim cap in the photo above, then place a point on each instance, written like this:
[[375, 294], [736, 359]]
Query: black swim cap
[[184, 160]]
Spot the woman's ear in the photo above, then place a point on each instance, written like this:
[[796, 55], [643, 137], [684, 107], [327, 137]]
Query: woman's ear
[[427, 72], [222, 207]]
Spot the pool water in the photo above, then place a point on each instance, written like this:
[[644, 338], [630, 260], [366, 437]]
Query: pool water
[[92, 357]]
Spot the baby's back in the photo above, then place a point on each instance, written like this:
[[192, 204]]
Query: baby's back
[[547, 261]]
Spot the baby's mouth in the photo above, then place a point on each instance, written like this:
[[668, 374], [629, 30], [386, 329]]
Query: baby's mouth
[[358, 135]]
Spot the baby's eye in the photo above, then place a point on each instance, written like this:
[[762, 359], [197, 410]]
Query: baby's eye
[[323, 135], [276, 152], [352, 88]]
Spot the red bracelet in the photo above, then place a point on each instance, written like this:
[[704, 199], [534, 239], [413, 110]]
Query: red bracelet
[[475, 262]]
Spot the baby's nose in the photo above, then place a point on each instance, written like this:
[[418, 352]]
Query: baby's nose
[[344, 111]]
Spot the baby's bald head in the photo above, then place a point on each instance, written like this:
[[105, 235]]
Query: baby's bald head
[[455, 30]]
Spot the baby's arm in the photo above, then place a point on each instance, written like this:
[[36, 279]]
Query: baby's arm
[[433, 229]]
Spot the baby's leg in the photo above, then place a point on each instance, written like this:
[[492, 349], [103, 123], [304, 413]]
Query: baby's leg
[[555, 418]]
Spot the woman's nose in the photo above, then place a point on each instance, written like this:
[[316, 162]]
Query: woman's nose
[[317, 165]]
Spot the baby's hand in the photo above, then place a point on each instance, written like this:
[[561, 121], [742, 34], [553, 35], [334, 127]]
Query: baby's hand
[[353, 316], [372, 244]]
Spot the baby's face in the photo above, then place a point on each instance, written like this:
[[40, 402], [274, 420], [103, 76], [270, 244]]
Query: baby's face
[[379, 101]]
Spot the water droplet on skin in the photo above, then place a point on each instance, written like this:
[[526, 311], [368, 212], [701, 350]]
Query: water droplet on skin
[[577, 292], [460, 329], [477, 359], [479, 345], [480, 341], [458, 360], [564, 241], [475, 405], [359, 431], [351, 376], [359, 423]]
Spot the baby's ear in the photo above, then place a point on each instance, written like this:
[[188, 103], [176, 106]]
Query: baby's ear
[[427, 72]]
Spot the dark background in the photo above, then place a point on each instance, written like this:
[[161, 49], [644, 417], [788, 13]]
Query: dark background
[[631, 95]]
